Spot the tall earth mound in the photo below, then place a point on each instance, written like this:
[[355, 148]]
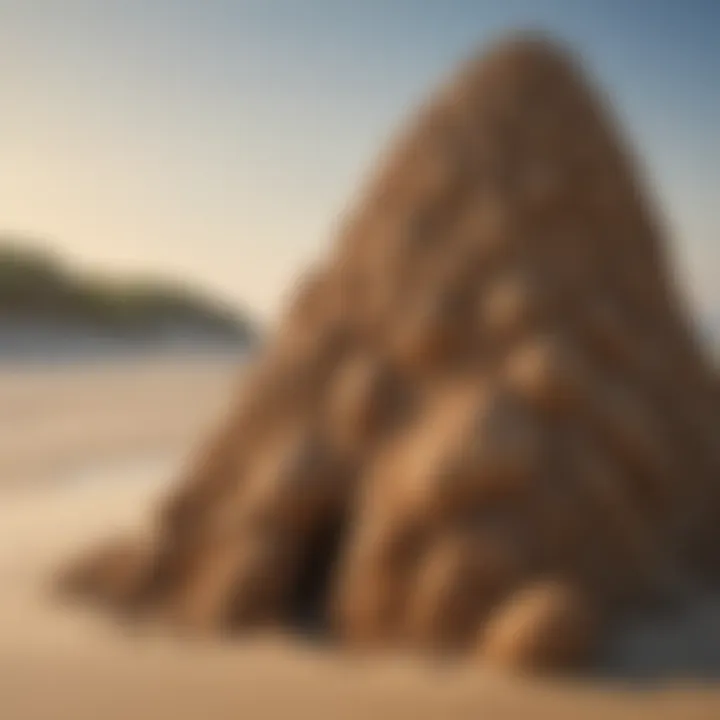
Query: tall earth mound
[[484, 422]]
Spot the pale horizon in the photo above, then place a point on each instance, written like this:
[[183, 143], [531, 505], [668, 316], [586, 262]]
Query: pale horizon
[[219, 142]]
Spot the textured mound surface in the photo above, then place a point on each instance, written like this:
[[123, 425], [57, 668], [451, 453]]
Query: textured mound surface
[[484, 423]]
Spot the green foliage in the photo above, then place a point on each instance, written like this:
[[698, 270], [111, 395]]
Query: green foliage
[[36, 284]]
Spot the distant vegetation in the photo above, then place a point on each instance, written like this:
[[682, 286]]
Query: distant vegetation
[[36, 286]]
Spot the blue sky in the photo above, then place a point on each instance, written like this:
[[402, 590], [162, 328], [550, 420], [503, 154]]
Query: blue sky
[[219, 140]]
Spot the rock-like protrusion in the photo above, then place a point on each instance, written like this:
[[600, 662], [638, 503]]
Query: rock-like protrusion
[[546, 627]]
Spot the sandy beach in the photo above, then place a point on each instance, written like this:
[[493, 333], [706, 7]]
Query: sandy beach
[[84, 451]]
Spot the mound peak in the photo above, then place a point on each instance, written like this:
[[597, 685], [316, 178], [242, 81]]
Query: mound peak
[[483, 421]]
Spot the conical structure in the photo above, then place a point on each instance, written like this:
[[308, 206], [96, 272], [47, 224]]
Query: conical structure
[[484, 423]]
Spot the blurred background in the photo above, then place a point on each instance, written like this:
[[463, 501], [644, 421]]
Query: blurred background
[[169, 168], [216, 142]]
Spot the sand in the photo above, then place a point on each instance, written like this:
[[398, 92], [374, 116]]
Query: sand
[[85, 450]]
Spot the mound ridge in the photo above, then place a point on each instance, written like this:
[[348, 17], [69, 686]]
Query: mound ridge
[[484, 423]]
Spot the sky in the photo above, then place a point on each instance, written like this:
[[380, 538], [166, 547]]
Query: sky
[[219, 141]]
